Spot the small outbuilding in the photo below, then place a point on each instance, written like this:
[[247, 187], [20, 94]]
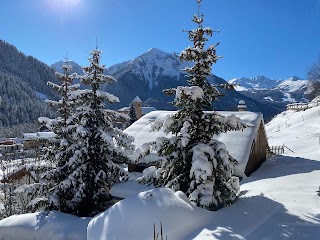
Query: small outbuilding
[[249, 147]]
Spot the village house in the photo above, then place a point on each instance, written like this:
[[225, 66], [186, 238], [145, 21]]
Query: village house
[[20, 175], [9, 146], [248, 147], [36, 140]]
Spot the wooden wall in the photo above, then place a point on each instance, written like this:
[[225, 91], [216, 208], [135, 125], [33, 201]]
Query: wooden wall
[[258, 151]]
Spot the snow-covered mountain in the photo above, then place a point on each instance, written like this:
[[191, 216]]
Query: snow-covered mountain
[[259, 82], [155, 70], [150, 73], [151, 66], [276, 92], [293, 84]]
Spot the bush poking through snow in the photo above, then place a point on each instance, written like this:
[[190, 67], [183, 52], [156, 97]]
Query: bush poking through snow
[[156, 235]]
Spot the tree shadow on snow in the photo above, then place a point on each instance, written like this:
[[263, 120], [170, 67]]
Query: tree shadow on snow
[[280, 166], [258, 217]]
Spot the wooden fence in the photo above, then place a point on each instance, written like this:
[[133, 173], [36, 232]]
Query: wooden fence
[[274, 150]]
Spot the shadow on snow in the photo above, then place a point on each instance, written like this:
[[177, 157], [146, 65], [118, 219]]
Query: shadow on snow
[[280, 166], [258, 217]]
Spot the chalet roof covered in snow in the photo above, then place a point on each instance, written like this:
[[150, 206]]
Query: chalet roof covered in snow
[[238, 142]]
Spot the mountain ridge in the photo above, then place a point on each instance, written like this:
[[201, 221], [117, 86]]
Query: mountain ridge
[[148, 74], [276, 92]]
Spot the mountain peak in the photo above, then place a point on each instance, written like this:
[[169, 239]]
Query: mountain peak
[[75, 67], [294, 78], [152, 66], [261, 77], [156, 51]]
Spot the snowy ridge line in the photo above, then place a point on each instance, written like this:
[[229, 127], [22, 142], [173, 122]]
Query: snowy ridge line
[[289, 117]]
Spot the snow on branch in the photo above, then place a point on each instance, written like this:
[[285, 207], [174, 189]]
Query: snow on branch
[[193, 92]]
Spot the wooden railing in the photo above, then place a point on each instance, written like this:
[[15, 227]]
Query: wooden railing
[[276, 150]]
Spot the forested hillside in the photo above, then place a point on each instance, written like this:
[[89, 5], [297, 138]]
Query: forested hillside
[[23, 86]]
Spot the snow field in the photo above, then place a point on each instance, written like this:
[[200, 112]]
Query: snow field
[[278, 201]]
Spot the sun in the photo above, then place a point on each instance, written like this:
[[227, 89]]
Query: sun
[[72, 3], [58, 5]]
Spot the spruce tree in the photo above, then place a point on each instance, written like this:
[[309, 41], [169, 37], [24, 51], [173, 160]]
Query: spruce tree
[[192, 160], [49, 191], [103, 148], [63, 147]]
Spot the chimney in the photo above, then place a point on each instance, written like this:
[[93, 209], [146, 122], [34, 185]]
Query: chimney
[[242, 106]]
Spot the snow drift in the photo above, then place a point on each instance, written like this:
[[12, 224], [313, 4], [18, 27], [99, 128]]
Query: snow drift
[[134, 217], [51, 225]]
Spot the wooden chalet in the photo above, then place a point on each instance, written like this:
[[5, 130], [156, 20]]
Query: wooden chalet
[[9, 146], [249, 147]]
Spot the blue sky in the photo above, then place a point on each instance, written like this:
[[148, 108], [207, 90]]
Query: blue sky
[[275, 38]]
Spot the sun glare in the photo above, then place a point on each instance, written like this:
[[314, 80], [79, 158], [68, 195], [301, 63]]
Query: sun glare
[[58, 5]]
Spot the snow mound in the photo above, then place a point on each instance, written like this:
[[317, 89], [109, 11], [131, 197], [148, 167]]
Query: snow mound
[[126, 189], [135, 216], [51, 225]]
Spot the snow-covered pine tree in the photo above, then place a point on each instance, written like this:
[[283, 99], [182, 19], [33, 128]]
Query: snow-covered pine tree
[[132, 114], [192, 160], [62, 149], [49, 191], [97, 162]]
